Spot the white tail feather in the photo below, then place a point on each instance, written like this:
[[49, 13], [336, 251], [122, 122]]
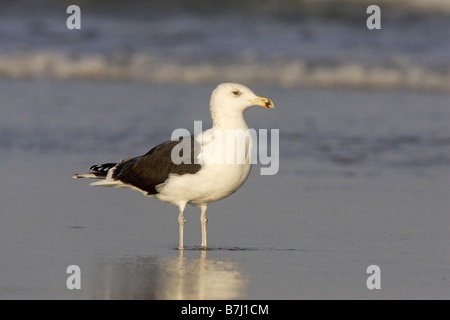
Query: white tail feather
[[107, 183], [89, 175]]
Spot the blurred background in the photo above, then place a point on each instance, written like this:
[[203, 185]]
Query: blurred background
[[364, 148], [287, 43]]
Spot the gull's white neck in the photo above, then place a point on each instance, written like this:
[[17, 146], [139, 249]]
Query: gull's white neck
[[228, 120]]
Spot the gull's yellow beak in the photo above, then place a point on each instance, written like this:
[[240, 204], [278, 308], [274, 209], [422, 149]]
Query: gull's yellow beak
[[263, 102]]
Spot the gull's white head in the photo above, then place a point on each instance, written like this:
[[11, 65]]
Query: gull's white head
[[235, 98]]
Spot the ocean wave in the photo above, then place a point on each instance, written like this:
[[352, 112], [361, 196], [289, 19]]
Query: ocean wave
[[290, 72]]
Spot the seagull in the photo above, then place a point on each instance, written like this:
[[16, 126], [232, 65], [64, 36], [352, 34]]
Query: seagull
[[203, 175]]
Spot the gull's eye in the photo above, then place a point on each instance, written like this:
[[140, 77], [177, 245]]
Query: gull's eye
[[236, 93]]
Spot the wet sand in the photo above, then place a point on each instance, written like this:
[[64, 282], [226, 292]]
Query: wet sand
[[363, 180]]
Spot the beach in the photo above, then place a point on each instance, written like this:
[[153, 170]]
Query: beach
[[357, 208], [363, 180]]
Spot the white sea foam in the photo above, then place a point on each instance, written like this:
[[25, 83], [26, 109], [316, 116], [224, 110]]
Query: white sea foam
[[146, 67]]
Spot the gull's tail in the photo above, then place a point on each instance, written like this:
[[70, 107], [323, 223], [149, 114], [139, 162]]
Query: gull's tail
[[99, 171]]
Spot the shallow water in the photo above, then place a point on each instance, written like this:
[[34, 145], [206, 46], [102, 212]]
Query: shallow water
[[363, 180]]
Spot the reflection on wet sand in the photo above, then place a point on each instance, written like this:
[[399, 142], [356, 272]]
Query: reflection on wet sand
[[171, 278]]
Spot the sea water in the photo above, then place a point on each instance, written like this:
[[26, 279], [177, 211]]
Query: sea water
[[364, 150]]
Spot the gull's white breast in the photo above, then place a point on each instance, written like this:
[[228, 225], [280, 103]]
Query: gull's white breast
[[218, 178]]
